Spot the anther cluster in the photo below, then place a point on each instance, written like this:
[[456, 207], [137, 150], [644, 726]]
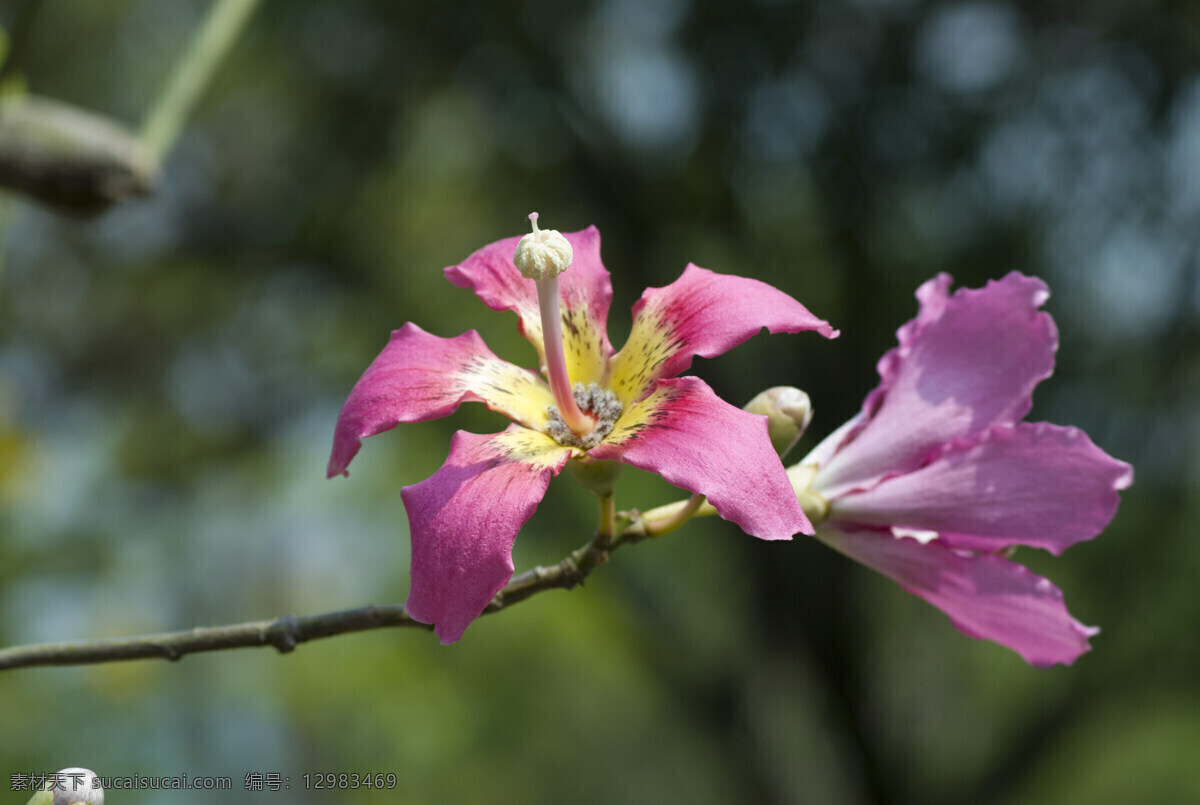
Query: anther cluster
[[599, 403]]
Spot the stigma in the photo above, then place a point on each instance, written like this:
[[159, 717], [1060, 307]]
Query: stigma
[[543, 253]]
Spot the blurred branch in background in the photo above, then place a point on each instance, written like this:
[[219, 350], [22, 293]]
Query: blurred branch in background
[[74, 160], [80, 162], [288, 631], [212, 42]]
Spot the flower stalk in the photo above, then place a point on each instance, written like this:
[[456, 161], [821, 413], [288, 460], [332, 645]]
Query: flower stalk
[[665, 519], [607, 528]]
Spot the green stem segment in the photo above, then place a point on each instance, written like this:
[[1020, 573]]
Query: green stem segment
[[666, 519], [221, 28], [607, 529]]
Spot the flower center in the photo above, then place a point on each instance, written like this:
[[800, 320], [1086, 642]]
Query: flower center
[[599, 403]]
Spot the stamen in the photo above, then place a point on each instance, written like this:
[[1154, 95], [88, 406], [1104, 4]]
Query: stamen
[[600, 403]]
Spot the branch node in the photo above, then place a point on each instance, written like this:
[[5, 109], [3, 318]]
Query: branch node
[[571, 573], [284, 634]]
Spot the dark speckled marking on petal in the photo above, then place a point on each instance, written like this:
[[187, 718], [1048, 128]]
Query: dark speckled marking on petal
[[515, 392], [651, 414]]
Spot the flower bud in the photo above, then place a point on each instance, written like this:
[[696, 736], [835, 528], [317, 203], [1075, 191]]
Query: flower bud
[[788, 413], [815, 507], [543, 253]]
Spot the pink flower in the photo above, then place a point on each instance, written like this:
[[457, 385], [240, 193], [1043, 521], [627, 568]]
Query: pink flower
[[937, 477], [631, 409]]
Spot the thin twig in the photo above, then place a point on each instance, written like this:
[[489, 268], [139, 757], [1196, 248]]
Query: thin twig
[[288, 631], [284, 633]]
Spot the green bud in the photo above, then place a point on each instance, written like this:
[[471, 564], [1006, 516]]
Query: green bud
[[68, 158], [815, 507], [788, 413]]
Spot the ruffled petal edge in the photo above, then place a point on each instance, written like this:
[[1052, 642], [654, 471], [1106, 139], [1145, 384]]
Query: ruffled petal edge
[[702, 313], [985, 596], [419, 376]]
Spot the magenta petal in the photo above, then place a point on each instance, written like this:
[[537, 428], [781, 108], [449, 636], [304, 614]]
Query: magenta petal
[[699, 442], [1030, 484], [464, 518], [985, 596], [701, 313], [585, 291], [967, 362], [419, 376]]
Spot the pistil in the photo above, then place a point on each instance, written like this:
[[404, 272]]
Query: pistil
[[541, 256]]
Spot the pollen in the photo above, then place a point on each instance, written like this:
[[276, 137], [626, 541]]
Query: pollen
[[598, 403]]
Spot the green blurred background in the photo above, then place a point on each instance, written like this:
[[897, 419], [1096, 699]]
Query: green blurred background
[[170, 374]]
